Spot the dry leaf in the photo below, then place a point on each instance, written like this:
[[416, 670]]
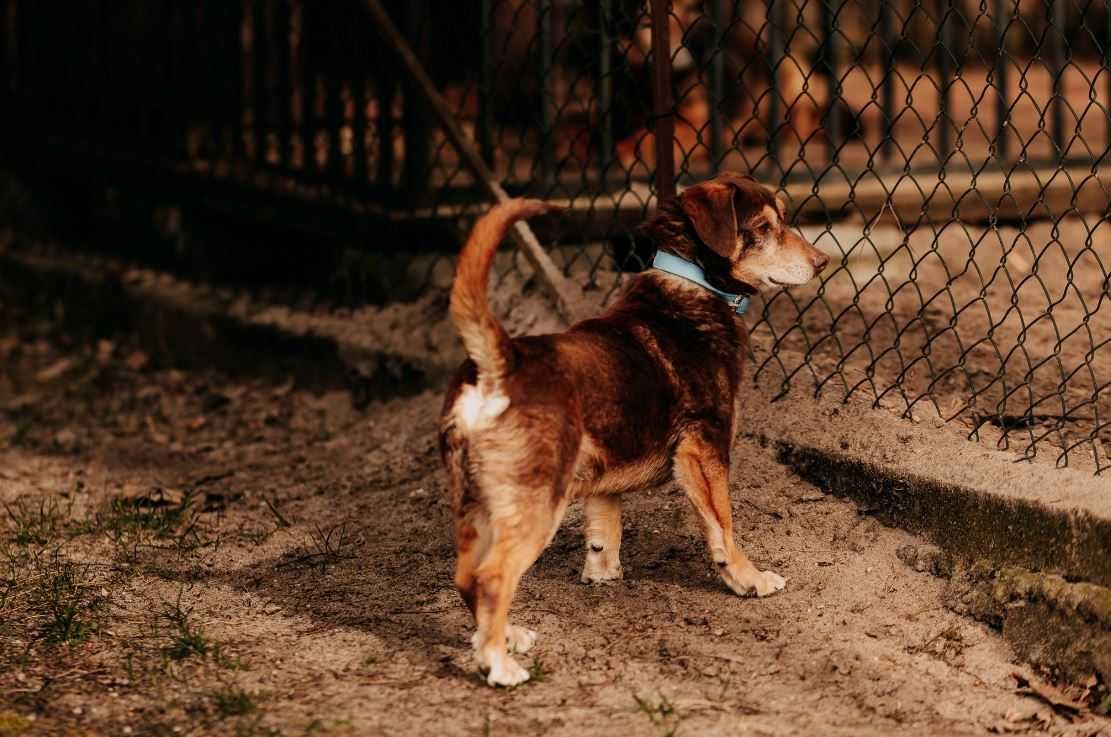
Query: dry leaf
[[155, 433], [136, 360], [1015, 722], [284, 388], [1028, 685], [233, 393], [54, 370]]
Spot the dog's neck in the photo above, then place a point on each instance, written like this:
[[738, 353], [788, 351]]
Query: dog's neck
[[671, 232], [669, 229]]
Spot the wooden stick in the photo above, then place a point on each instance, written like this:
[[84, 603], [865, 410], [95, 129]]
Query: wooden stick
[[567, 296]]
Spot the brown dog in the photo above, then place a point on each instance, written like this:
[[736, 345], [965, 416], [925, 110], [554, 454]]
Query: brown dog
[[643, 393]]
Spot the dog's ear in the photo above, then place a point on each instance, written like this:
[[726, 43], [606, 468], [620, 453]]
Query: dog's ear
[[709, 207]]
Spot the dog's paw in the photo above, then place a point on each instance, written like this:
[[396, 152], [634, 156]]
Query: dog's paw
[[600, 574], [519, 639], [769, 583], [601, 566], [753, 582], [506, 672]]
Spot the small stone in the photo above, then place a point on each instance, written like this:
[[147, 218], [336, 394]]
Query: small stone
[[136, 360], [65, 439]]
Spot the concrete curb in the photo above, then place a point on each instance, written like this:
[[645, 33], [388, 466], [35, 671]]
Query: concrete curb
[[184, 325]]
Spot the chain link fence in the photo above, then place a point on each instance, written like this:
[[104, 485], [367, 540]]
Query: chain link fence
[[950, 155]]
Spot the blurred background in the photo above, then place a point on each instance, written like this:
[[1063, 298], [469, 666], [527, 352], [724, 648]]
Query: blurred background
[[950, 155]]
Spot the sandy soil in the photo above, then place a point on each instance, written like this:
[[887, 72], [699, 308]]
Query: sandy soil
[[181, 554]]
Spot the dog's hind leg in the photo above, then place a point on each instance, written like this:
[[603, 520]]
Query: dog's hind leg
[[702, 469], [602, 529], [516, 544]]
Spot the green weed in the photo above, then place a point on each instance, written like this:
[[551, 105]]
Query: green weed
[[233, 702], [662, 714]]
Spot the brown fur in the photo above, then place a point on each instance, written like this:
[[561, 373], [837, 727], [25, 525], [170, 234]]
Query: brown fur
[[644, 392]]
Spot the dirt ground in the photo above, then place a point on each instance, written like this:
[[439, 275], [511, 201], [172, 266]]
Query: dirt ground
[[182, 554]]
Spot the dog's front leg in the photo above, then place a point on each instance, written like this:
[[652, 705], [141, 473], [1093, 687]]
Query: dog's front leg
[[702, 469], [602, 530]]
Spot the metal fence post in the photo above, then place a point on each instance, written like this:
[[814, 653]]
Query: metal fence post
[[663, 105], [829, 57], [776, 55], [547, 109], [484, 125], [1002, 100], [1059, 57], [418, 130], [888, 98], [945, 72], [717, 84], [5, 49], [603, 85], [358, 98]]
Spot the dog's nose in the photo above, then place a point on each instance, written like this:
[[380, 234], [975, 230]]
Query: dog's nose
[[820, 261]]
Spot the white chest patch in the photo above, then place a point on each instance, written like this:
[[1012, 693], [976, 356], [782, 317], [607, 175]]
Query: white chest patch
[[474, 409]]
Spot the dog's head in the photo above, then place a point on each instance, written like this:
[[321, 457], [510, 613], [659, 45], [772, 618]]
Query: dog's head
[[743, 242]]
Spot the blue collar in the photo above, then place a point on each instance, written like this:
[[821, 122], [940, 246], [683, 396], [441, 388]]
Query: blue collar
[[692, 272]]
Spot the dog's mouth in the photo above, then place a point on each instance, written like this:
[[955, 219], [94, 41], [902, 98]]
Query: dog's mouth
[[777, 283]]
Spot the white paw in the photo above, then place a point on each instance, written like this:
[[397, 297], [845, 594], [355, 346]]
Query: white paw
[[600, 567], [519, 639], [752, 581], [769, 583], [506, 672], [599, 575]]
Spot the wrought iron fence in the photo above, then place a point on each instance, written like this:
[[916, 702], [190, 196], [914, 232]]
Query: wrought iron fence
[[951, 155]]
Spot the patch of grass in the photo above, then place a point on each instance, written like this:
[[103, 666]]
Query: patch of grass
[[253, 727], [146, 514], [21, 435], [662, 714], [537, 672], [64, 596], [334, 543], [34, 522], [46, 596], [233, 702], [948, 644], [186, 644], [328, 546], [186, 639]]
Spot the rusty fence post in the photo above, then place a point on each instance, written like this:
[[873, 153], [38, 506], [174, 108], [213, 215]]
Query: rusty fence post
[[663, 106]]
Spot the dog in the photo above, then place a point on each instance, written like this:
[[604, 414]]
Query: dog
[[641, 394]]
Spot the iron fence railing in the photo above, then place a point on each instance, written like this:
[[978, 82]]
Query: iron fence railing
[[951, 155]]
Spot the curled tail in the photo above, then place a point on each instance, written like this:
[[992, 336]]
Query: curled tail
[[484, 339]]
